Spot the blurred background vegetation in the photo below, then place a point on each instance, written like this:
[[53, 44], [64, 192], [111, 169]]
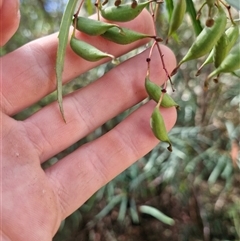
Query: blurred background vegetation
[[190, 194]]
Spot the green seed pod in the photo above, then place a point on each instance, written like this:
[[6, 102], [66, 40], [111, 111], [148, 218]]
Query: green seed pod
[[124, 12], [125, 36], [177, 16], [220, 50], [87, 51], [208, 60], [207, 39], [93, 27], [229, 64], [232, 35], [158, 127], [154, 91], [167, 101]]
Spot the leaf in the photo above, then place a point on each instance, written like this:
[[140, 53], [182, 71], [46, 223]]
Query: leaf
[[156, 214], [192, 12], [123, 209], [134, 212], [217, 170], [169, 7], [109, 207], [89, 7], [62, 45], [234, 4]]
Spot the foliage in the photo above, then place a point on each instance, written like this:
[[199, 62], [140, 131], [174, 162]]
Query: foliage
[[196, 185]]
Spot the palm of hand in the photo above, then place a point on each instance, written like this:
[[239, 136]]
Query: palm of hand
[[34, 200]]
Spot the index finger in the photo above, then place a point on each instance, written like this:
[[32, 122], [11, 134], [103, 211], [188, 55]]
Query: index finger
[[9, 20], [29, 71]]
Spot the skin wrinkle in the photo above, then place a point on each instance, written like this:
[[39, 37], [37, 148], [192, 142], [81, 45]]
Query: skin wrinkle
[[112, 153], [89, 123], [63, 203], [100, 170], [86, 123], [83, 169], [5, 104], [42, 73], [56, 186], [43, 138], [22, 81], [34, 81], [62, 191], [15, 149], [33, 133], [40, 51], [127, 139]]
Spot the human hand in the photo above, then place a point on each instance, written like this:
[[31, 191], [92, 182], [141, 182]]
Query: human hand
[[34, 201]]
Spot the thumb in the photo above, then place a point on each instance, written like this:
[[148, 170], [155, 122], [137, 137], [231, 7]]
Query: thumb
[[9, 20]]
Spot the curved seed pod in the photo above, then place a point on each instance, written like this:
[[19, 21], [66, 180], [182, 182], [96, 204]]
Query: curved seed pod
[[207, 39], [158, 127], [167, 101], [177, 16], [87, 51], [229, 64], [232, 35], [93, 27], [208, 60], [125, 36], [236, 73], [154, 91], [124, 12], [220, 50]]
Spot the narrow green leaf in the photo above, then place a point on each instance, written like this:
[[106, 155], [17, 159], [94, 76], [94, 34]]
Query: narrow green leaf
[[156, 214], [89, 7], [62, 45], [123, 209], [192, 12], [169, 7], [134, 212], [109, 207], [221, 163]]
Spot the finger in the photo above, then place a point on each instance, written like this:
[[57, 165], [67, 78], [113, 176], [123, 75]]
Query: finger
[[90, 107], [93, 165], [34, 65], [9, 20]]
